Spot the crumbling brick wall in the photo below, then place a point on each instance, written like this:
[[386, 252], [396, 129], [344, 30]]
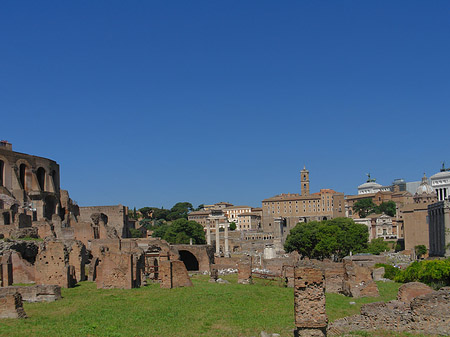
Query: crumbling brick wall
[[173, 274], [358, 280], [245, 271], [428, 314], [309, 302], [52, 265], [11, 306]]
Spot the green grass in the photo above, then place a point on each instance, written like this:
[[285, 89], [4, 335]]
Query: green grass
[[207, 309]]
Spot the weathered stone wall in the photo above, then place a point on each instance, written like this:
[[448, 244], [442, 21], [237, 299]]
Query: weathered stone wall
[[428, 314], [309, 302], [115, 270], [52, 265], [245, 270], [117, 217], [11, 306], [36, 293], [23, 271], [358, 280], [173, 274], [203, 253]]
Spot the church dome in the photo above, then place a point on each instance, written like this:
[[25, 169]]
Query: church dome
[[369, 184], [441, 175], [424, 187]]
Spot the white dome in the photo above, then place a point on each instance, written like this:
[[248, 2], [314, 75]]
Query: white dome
[[441, 175], [370, 184], [424, 187]]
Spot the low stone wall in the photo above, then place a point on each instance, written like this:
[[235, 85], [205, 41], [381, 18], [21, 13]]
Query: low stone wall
[[36, 293], [11, 306], [429, 314]]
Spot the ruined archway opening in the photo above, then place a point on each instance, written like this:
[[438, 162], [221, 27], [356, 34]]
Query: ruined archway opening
[[40, 173], [189, 259], [22, 171]]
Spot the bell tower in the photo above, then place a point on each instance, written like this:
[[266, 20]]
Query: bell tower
[[304, 180]]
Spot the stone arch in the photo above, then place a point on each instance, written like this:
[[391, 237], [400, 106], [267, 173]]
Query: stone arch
[[24, 174], [189, 260], [40, 175]]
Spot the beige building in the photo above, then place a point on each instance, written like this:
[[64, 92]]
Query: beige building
[[286, 210], [232, 213], [249, 221], [415, 224], [381, 226]]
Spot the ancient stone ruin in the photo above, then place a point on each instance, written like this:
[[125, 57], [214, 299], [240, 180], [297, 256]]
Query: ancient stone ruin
[[245, 271], [11, 306], [309, 302], [428, 313]]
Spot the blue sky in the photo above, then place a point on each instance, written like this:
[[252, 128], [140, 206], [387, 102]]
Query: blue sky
[[147, 103]]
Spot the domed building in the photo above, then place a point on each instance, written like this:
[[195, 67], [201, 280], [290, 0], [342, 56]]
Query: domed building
[[425, 193], [440, 182], [371, 186]]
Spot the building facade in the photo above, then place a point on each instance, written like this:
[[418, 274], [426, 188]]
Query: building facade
[[439, 228], [286, 210]]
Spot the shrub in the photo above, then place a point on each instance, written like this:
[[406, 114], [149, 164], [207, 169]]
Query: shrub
[[435, 273], [389, 271]]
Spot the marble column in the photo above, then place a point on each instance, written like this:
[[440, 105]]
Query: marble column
[[217, 237], [226, 249], [208, 231]]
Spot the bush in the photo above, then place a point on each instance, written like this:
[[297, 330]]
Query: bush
[[377, 246], [389, 271], [435, 273]]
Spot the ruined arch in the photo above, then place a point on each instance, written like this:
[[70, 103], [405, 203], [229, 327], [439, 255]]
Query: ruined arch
[[189, 259], [22, 174], [40, 174]]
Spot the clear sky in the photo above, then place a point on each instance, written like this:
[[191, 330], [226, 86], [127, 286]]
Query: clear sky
[[147, 103]]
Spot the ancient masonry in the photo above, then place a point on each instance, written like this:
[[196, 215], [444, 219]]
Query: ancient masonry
[[418, 308], [11, 306], [245, 271], [309, 302]]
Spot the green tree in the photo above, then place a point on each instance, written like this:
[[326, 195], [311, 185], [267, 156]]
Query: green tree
[[135, 233], [377, 246], [199, 207], [388, 208], [336, 237], [232, 226], [160, 232], [364, 207], [181, 230], [420, 250], [180, 210]]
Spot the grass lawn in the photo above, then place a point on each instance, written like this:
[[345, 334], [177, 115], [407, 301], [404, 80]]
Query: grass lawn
[[207, 309]]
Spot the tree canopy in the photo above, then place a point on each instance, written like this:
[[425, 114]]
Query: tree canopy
[[336, 237], [366, 206], [181, 231]]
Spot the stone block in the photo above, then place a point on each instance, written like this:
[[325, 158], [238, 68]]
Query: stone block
[[378, 274], [173, 274], [309, 301], [408, 291], [245, 271], [11, 306], [36, 293]]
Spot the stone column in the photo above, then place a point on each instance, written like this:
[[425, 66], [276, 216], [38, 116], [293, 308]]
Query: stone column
[[226, 249], [217, 238], [309, 302], [208, 231]]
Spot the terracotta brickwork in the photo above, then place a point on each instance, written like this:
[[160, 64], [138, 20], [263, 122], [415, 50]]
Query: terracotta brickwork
[[309, 302], [52, 265], [11, 306], [358, 280], [174, 274], [245, 271]]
